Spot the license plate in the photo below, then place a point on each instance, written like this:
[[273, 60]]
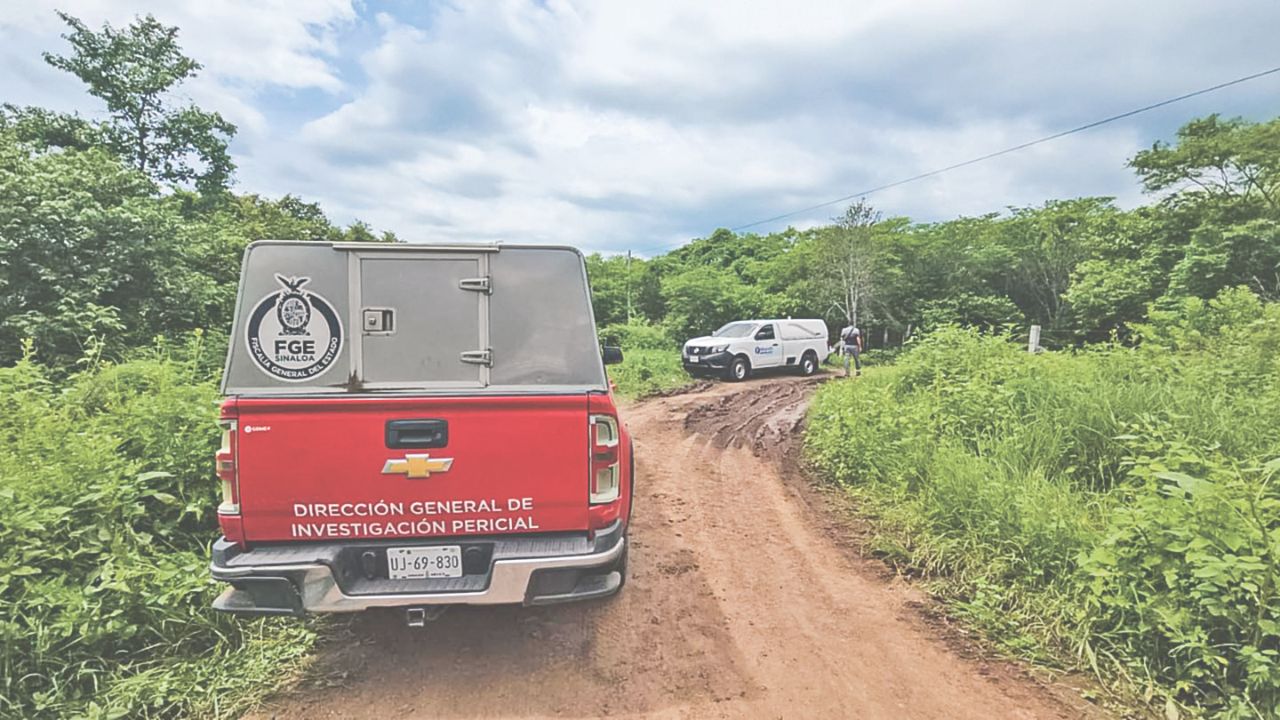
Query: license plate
[[693, 358], [417, 563]]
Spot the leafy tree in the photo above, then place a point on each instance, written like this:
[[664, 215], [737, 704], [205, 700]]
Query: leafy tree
[[45, 129], [79, 240], [646, 290], [849, 259], [133, 71], [1225, 179], [989, 312], [1105, 295], [1125, 267], [725, 249], [1217, 159], [1048, 243], [701, 299], [93, 260], [608, 288], [949, 273], [1222, 255]]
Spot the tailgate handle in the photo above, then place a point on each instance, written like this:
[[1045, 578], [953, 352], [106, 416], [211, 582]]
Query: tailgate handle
[[417, 434]]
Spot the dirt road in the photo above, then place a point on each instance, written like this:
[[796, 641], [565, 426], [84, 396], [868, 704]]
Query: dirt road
[[742, 602]]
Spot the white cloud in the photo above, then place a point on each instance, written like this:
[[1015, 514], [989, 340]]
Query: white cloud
[[619, 124], [614, 125], [246, 47]]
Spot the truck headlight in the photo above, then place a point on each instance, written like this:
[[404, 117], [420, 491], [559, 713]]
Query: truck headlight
[[719, 348]]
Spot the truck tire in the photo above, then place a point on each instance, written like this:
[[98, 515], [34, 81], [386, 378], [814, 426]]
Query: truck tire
[[808, 364], [739, 369]]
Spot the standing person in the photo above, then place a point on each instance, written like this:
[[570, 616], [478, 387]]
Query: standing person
[[851, 346]]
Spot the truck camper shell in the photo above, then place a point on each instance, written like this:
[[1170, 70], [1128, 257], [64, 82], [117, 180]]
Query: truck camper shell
[[496, 319]]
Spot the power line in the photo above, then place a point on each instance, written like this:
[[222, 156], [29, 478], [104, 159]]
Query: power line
[[1015, 148], [998, 153]]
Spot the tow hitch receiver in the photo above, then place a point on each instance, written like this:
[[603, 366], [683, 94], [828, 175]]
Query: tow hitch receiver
[[419, 616]]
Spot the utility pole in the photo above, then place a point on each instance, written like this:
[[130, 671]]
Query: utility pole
[[628, 271]]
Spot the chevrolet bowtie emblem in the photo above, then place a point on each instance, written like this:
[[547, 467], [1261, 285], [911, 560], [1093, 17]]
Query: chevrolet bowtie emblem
[[417, 465]]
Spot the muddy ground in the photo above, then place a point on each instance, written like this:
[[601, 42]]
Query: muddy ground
[[745, 600]]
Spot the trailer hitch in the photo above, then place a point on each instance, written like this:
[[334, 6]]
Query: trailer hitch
[[417, 617]]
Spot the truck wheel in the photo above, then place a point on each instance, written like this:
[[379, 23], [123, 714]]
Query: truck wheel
[[808, 364], [739, 369]]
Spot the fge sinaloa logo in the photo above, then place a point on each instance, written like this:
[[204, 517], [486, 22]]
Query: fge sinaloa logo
[[294, 334]]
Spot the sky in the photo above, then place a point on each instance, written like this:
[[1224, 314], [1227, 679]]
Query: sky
[[618, 126]]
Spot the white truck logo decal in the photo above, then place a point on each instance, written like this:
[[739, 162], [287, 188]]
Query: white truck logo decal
[[294, 334]]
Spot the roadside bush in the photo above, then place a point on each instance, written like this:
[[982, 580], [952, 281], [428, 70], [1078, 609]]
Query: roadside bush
[[879, 355], [1187, 576], [110, 503], [875, 357], [646, 372], [638, 335], [1112, 508]]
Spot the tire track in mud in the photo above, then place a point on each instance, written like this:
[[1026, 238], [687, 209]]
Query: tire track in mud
[[767, 418], [742, 603]]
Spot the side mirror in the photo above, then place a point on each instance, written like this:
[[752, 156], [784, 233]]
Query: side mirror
[[612, 354]]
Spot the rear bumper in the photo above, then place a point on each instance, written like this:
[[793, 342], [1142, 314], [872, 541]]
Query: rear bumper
[[298, 579]]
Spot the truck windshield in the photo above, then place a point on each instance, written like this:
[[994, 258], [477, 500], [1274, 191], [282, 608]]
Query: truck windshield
[[734, 330]]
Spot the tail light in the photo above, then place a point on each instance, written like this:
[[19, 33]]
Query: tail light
[[606, 472], [225, 466]]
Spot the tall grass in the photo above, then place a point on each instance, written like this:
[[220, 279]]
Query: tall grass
[[1113, 509], [108, 495], [644, 372], [651, 359]]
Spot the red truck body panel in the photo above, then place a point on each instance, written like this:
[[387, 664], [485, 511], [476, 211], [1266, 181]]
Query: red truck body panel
[[320, 468]]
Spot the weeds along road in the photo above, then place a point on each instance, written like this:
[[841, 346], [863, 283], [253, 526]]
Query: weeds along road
[[742, 602]]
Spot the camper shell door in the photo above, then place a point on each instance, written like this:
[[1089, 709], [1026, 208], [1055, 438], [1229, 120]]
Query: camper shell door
[[422, 315]]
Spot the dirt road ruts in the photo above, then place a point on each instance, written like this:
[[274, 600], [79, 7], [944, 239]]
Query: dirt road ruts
[[742, 603]]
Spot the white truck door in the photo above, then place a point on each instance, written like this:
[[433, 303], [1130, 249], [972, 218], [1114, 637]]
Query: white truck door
[[768, 348]]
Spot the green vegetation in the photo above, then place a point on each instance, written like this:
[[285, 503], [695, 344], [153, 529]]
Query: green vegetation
[[651, 361], [104, 549], [1115, 508], [645, 372]]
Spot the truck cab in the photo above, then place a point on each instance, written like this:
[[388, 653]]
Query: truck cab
[[744, 346], [415, 426]]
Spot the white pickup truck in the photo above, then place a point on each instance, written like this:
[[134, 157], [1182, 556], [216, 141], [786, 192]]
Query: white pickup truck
[[739, 348]]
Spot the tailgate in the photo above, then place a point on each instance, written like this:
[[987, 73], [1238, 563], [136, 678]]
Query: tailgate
[[348, 468]]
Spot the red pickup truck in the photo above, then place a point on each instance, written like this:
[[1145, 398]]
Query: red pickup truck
[[417, 426]]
